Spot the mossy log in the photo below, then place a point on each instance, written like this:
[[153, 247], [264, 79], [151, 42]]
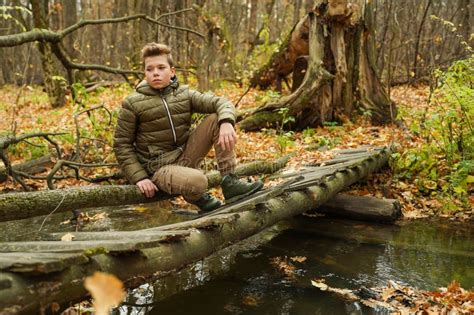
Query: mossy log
[[15, 206], [29, 294], [362, 208]]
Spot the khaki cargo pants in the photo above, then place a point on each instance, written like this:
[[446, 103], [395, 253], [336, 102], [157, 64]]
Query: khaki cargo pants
[[183, 177]]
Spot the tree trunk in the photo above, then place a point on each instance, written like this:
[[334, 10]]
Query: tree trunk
[[70, 45], [15, 206], [281, 63], [417, 43], [341, 75], [23, 293], [362, 208], [54, 83]]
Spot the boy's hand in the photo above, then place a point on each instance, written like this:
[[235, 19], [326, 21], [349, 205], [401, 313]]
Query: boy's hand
[[147, 187], [227, 136]]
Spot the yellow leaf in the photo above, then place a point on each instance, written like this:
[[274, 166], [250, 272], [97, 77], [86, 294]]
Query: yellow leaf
[[319, 284], [140, 209], [106, 290], [299, 259], [67, 237], [470, 179]]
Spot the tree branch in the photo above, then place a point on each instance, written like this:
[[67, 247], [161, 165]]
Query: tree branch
[[83, 23], [67, 63], [46, 35], [5, 142]]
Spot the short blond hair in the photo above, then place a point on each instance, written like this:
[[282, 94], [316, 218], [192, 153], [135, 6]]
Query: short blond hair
[[156, 49]]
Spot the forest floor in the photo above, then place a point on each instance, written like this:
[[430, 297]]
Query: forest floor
[[26, 110]]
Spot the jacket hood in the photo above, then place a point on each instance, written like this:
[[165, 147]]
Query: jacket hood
[[144, 88]]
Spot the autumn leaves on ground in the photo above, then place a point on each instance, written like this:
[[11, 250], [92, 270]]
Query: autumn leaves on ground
[[26, 110]]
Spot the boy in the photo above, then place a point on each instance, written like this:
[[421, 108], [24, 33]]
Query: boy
[[153, 143]]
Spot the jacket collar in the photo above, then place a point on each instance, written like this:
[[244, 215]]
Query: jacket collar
[[144, 88]]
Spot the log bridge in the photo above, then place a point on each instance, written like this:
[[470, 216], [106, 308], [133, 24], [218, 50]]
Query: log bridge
[[40, 275]]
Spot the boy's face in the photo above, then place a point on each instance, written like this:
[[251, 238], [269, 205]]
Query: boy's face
[[158, 72]]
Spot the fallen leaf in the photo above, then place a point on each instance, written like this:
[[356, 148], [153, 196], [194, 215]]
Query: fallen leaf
[[106, 290], [140, 209], [387, 293], [319, 284], [251, 300], [67, 237], [299, 259], [55, 307]]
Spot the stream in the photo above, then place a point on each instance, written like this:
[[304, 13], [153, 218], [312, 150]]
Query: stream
[[271, 273]]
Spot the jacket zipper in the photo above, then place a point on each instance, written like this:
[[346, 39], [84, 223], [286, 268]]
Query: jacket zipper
[[170, 120]]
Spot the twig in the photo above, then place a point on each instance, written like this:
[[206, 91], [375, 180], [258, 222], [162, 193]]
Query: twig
[[173, 13], [49, 214], [75, 166], [5, 142], [149, 19], [237, 104], [10, 171], [98, 140], [33, 144]]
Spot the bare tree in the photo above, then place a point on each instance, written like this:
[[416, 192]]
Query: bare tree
[[50, 43]]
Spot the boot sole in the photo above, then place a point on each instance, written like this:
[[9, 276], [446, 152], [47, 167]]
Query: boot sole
[[237, 198]]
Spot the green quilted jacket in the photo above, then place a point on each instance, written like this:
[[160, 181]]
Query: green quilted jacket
[[153, 126]]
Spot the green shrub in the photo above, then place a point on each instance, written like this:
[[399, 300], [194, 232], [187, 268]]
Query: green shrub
[[444, 164]]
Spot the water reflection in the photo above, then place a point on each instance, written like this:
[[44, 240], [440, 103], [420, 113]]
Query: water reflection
[[242, 279], [346, 253], [118, 218]]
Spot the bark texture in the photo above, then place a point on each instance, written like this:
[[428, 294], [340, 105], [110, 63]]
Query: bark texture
[[362, 208], [15, 206], [341, 76]]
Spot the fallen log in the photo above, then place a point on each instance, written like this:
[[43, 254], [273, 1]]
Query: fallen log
[[15, 206], [209, 234], [362, 208], [30, 167]]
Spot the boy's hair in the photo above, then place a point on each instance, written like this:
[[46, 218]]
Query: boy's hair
[[156, 49]]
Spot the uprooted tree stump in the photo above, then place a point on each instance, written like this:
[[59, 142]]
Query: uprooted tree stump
[[341, 76]]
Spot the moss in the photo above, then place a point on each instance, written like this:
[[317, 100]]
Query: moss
[[95, 251], [260, 120]]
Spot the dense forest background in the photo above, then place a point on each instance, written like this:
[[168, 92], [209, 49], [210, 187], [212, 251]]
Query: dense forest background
[[386, 78], [226, 40], [423, 55]]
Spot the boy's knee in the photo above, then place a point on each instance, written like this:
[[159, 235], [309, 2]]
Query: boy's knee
[[198, 183]]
